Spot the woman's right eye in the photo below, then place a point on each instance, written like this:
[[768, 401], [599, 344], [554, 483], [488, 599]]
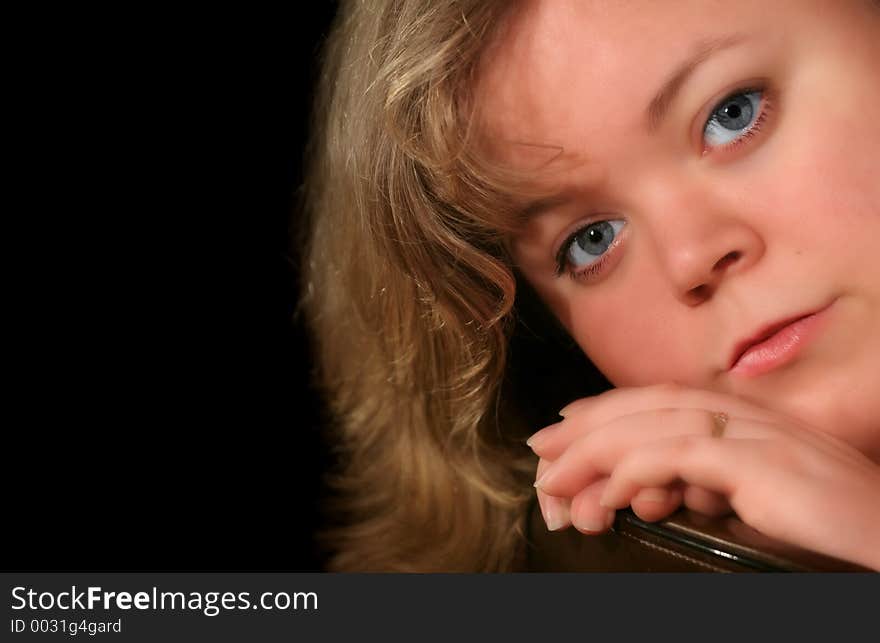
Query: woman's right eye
[[584, 250]]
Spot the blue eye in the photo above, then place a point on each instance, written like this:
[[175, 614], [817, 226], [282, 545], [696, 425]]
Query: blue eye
[[587, 245], [732, 118]]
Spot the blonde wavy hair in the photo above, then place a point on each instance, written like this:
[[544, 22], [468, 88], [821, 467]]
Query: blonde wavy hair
[[408, 294]]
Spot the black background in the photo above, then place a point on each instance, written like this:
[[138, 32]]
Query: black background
[[160, 410]]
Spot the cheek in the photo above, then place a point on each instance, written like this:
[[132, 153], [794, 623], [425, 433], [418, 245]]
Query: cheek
[[829, 167], [828, 204], [633, 341]]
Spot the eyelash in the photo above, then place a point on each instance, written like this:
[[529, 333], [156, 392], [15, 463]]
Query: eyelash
[[593, 270], [767, 105]]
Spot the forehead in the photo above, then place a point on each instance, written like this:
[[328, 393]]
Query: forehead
[[565, 70]]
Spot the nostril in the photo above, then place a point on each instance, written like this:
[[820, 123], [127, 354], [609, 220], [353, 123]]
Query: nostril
[[702, 292], [726, 260], [699, 294]]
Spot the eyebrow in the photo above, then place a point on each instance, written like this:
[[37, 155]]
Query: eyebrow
[[659, 105], [656, 112], [539, 206]]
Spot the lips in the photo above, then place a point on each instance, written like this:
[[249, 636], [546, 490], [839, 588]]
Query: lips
[[775, 344]]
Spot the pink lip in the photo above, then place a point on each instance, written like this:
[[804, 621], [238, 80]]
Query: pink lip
[[776, 344]]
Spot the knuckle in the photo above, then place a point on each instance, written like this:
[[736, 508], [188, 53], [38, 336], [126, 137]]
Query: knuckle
[[786, 457], [681, 419], [688, 446], [668, 388]]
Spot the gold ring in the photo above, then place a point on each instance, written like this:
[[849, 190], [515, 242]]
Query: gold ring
[[719, 422]]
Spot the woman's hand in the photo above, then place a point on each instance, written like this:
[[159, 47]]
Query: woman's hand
[[657, 447]]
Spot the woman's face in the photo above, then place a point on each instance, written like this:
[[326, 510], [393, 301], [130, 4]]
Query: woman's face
[[716, 173]]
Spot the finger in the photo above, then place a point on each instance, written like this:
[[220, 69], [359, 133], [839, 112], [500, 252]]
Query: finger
[[706, 502], [556, 511], [720, 466], [587, 516], [655, 503], [772, 489], [585, 415], [598, 453], [542, 436]]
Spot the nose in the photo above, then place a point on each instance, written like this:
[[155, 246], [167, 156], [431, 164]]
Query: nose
[[699, 250]]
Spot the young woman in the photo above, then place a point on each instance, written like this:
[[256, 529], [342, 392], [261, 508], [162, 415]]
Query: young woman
[[688, 188]]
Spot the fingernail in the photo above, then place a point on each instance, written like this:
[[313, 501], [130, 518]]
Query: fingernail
[[538, 436], [564, 410], [599, 525], [555, 519], [605, 499], [541, 482], [534, 441]]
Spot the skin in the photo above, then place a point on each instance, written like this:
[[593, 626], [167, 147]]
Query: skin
[[717, 243]]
